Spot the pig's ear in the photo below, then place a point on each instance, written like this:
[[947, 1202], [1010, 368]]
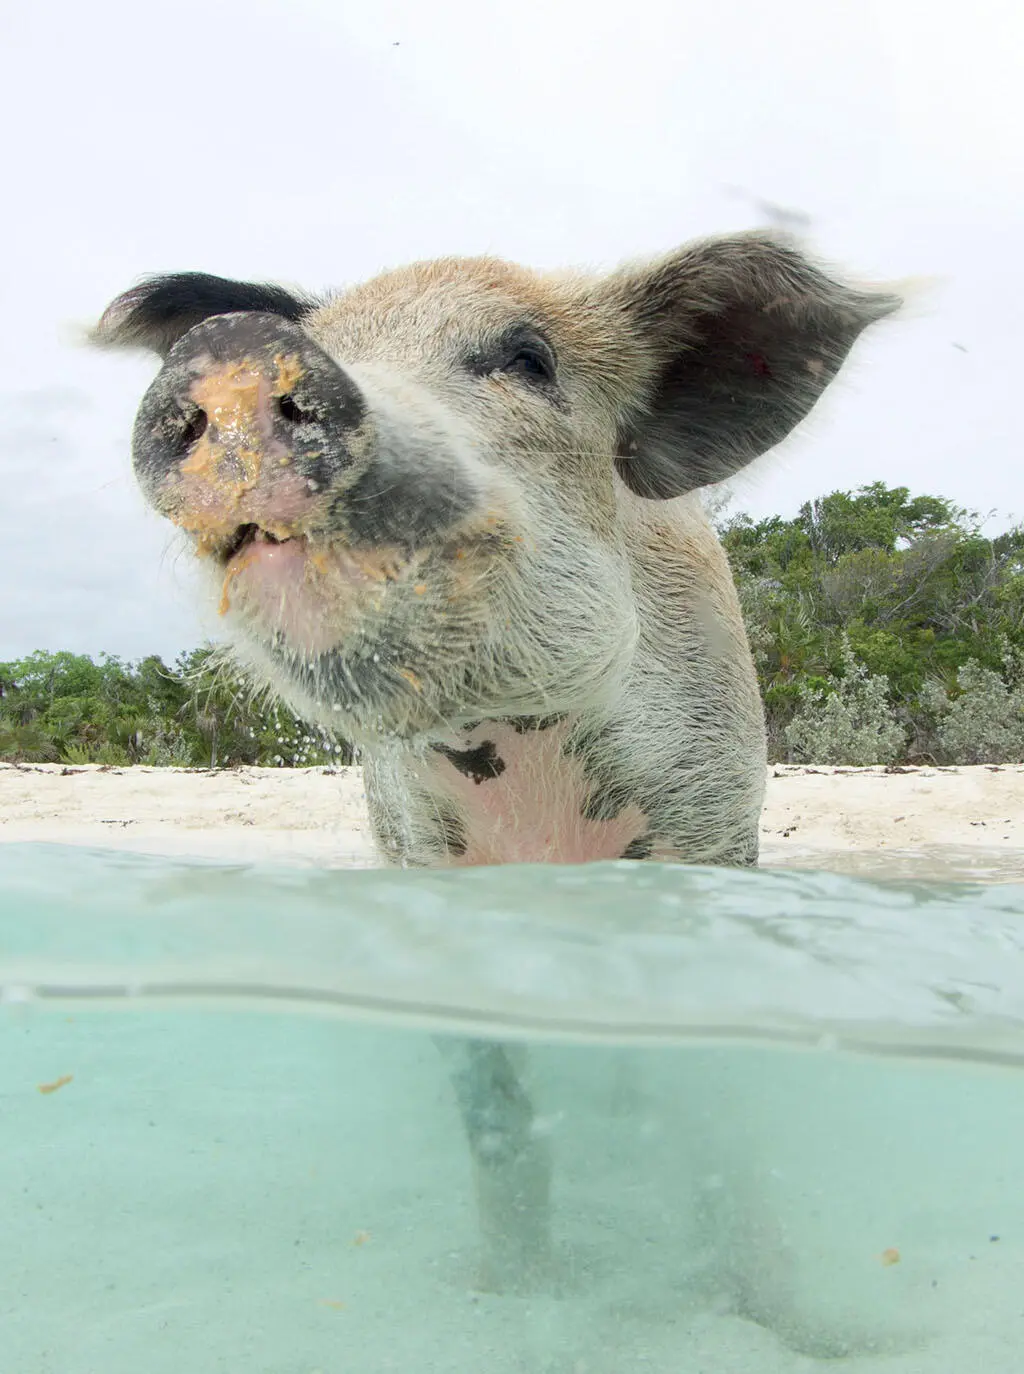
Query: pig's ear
[[742, 334], [158, 311]]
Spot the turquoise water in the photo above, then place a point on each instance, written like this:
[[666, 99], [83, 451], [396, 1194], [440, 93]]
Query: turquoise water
[[783, 1116]]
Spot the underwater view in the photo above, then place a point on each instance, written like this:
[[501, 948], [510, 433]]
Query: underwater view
[[766, 1121]]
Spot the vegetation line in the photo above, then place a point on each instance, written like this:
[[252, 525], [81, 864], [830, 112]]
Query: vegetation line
[[885, 629]]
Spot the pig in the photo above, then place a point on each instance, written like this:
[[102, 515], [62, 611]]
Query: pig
[[452, 515]]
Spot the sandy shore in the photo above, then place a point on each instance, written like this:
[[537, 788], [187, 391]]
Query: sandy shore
[[954, 821]]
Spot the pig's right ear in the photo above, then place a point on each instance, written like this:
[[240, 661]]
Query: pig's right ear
[[739, 337], [157, 312]]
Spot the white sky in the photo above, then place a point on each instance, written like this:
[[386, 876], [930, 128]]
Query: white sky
[[297, 142]]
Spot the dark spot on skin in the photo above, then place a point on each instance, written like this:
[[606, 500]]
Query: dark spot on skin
[[640, 848], [481, 764]]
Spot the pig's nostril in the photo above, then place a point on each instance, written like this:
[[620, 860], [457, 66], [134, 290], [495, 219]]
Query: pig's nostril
[[189, 427], [291, 412]]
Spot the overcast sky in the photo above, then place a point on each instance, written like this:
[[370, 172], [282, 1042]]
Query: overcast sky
[[319, 141]]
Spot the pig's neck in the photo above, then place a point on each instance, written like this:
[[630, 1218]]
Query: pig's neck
[[508, 792]]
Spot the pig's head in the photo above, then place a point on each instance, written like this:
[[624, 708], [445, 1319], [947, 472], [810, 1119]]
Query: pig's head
[[414, 498]]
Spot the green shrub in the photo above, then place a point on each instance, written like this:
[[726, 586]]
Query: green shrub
[[852, 724], [985, 722]]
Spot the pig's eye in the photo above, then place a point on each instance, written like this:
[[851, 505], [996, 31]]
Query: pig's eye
[[532, 363], [521, 353]]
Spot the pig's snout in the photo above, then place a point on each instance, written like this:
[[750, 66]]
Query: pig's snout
[[248, 423]]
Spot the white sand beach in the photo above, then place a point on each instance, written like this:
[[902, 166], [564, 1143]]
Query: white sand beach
[[919, 821]]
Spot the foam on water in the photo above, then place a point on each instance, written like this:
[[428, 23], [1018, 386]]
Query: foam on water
[[785, 1109]]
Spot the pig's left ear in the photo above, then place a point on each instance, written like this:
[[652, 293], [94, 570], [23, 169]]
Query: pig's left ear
[[742, 334], [157, 312]]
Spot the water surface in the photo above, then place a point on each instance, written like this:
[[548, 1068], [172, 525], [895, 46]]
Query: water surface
[[785, 1112]]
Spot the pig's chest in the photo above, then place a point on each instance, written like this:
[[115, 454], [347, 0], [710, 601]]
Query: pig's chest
[[523, 797]]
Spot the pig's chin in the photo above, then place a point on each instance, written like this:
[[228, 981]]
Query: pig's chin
[[304, 597], [360, 693], [312, 622], [371, 645]]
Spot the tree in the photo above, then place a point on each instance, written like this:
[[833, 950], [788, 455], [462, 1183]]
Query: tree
[[69, 708], [909, 583]]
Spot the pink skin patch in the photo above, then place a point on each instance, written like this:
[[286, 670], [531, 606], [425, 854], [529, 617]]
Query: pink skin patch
[[532, 811]]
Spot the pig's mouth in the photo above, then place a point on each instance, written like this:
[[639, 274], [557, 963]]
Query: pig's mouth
[[306, 588], [242, 538]]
